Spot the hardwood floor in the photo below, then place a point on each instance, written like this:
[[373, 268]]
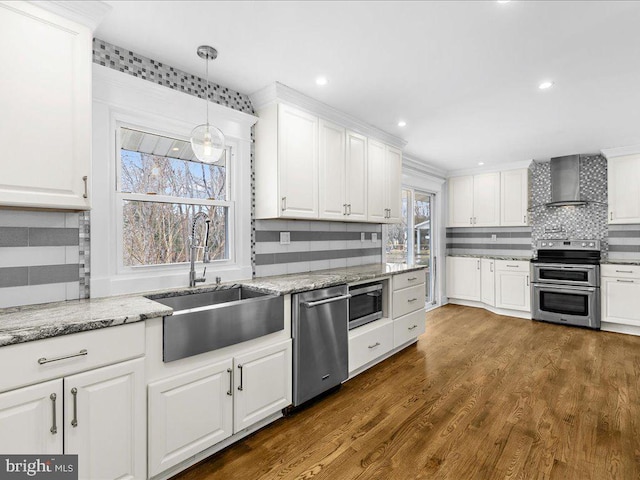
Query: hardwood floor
[[480, 396]]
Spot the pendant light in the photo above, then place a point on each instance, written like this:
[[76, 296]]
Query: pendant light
[[207, 141]]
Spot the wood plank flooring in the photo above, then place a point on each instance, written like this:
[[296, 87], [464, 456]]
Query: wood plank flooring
[[481, 396]]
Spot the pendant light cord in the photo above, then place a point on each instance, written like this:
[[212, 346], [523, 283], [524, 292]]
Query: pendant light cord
[[207, 90]]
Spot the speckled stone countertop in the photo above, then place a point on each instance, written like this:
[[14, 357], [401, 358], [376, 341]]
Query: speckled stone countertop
[[495, 257], [37, 322], [620, 262]]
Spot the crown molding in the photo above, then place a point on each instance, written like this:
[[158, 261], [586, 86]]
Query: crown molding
[[414, 164], [620, 151], [279, 93], [86, 12], [501, 167]]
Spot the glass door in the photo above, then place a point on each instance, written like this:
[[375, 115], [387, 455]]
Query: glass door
[[411, 240]]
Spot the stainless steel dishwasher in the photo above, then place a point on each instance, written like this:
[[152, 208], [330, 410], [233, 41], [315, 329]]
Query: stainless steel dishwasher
[[320, 341]]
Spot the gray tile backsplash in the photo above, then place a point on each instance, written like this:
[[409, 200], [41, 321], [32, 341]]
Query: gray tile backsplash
[[509, 241]]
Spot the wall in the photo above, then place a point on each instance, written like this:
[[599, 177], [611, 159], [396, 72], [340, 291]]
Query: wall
[[44, 257], [510, 241], [587, 222], [314, 246]]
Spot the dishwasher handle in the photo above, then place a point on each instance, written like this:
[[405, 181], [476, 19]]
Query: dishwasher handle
[[326, 300]]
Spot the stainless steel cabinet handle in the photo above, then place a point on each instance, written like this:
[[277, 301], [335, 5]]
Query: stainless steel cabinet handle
[[283, 203], [374, 345], [413, 327], [478, 267], [328, 300], [349, 206], [470, 220], [240, 387], [412, 300], [610, 215], [74, 392], [412, 279], [44, 360], [230, 391], [625, 281], [513, 266], [524, 219], [527, 280], [84, 179], [54, 427], [491, 266], [624, 271], [344, 209]]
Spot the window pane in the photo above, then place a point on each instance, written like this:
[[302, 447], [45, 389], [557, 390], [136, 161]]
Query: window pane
[[397, 235], [422, 228], [157, 165], [158, 233]]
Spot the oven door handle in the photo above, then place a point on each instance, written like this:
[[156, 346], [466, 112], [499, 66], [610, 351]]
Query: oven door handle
[[563, 288]]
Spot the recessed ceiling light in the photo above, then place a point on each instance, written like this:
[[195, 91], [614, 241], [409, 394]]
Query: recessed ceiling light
[[504, 1], [480, 163], [175, 149], [402, 123], [545, 85], [321, 81]]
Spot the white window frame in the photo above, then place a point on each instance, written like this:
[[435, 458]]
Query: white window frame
[[141, 197], [122, 100]]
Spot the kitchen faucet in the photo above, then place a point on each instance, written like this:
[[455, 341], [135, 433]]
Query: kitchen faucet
[[193, 249]]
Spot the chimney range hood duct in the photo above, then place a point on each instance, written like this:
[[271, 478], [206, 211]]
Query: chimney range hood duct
[[565, 181]]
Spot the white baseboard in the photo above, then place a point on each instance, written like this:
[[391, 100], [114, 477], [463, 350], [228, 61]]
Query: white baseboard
[[497, 311], [618, 328]]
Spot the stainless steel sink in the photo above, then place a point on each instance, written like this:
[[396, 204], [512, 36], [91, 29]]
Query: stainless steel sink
[[202, 322]]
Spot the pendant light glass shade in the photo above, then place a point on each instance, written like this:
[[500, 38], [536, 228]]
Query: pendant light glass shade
[[207, 141]]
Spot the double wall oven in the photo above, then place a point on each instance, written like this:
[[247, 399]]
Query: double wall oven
[[566, 282]]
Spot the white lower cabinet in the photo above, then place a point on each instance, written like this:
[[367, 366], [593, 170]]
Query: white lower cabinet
[[620, 287], [193, 411], [103, 420], [463, 278], [408, 327], [369, 342], [488, 281], [513, 289]]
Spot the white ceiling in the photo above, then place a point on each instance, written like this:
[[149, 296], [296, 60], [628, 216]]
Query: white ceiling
[[464, 75]]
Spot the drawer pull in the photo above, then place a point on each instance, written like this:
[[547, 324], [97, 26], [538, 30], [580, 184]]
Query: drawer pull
[[412, 328], [241, 387], [81, 353], [54, 427], [625, 281], [74, 392], [377, 344], [230, 372], [85, 194], [412, 279], [513, 266], [412, 300], [624, 271]]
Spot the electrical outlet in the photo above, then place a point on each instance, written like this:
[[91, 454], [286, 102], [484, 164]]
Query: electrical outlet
[[374, 237], [285, 238], [362, 237], [494, 237]]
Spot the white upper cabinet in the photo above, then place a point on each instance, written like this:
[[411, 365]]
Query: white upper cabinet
[[45, 127], [333, 204], [356, 171], [486, 200], [514, 197], [624, 189], [489, 199], [315, 162], [474, 201], [376, 180]]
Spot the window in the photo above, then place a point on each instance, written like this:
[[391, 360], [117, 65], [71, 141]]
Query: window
[[161, 188]]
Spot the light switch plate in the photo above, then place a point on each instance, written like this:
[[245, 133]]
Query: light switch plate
[[374, 237], [285, 238], [494, 238], [362, 237]]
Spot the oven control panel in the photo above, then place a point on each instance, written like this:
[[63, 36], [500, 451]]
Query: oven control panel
[[568, 244]]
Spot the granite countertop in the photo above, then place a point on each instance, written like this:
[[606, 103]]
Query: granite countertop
[[495, 257], [37, 322]]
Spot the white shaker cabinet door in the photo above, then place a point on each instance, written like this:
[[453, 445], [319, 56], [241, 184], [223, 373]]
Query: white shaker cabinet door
[[297, 162], [263, 381], [514, 198], [45, 126], [463, 278], [31, 419], [332, 172], [376, 182], [104, 421], [513, 291], [460, 201], [624, 189], [356, 169], [393, 184], [486, 199], [488, 281]]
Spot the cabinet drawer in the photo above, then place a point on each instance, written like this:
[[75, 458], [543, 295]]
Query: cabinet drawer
[[620, 271], [370, 344], [408, 300], [103, 346], [409, 279], [408, 327], [509, 266]]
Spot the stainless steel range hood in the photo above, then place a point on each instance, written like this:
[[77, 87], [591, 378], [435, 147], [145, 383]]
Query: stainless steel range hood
[[565, 182]]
